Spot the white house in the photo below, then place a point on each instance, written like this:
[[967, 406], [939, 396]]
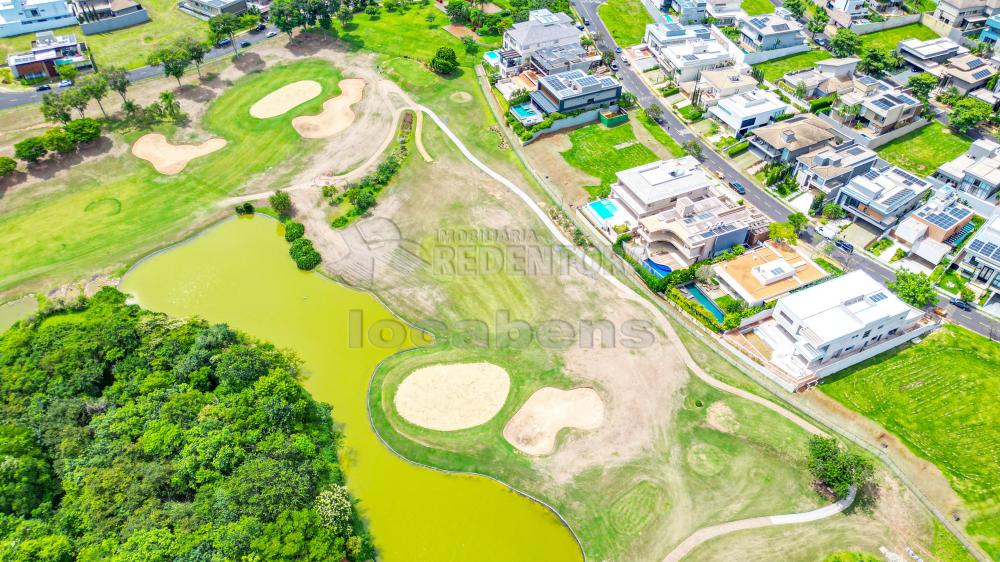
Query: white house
[[976, 174], [825, 328], [651, 188], [855, 8], [18, 17], [883, 197], [685, 51], [542, 29], [743, 112]]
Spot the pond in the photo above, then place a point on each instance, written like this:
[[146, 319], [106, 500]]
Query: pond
[[239, 273], [11, 312]]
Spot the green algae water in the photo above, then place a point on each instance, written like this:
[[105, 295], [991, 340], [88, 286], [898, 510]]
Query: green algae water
[[240, 273], [11, 312]]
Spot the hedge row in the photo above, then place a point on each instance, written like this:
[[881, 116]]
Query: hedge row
[[821, 103], [738, 148]]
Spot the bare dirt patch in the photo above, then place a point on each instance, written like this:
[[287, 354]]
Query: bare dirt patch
[[170, 159], [545, 155], [533, 429], [721, 417], [285, 98], [336, 115], [452, 397], [461, 97]]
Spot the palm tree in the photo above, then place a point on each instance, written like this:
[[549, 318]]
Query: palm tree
[[170, 104]]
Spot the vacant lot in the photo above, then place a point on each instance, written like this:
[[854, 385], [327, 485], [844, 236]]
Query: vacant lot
[[130, 46], [757, 7], [779, 67], [939, 397], [890, 38], [923, 150], [600, 152], [626, 20]]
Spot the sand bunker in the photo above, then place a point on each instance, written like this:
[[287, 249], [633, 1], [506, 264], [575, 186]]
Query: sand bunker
[[285, 98], [170, 159], [534, 427], [451, 397], [336, 115]]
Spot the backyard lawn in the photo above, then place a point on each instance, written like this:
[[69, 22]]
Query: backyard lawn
[[777, 68], [757, 7], [923, 150], [659, 134], [130, 46], [600, 152], [890, 38], [939, 397], [626, 20]]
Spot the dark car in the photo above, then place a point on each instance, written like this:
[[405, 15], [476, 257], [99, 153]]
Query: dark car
[[844, 245], [961, 304], [618, 49], [260, 27], [225, 42], [738, 188], [614, 66], [43, 88], [245, 44], [580, 26]]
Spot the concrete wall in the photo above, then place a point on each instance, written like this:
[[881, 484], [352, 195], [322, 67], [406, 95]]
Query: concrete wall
[[117, 22], [889, 23], [877, 141], [870, 352], [570, 122], [764, 56], [17, 28]]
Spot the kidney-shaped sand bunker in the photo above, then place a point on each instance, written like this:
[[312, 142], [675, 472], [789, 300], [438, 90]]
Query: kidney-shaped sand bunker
[[285, 98], [454, 396], [534, 427]]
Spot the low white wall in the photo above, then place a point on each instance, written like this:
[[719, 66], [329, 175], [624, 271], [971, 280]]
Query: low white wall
[[764, 56], [760, 316], [890, 23], [873, 351], [877, 141], [569, 122], [116, 22]]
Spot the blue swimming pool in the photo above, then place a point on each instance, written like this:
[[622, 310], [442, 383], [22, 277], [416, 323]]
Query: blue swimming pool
[[524, 111], [660, 271], [604, 208], [668, 18], [492, 57], [703, 300]]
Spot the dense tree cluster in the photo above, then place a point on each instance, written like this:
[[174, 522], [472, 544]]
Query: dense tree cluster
[[837, 468], [127, 435], [57, 140]]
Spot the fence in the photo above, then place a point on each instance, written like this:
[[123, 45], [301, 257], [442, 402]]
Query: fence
[[764, 56], [570, 122], [873, 143], [890, 23], [115, 22]]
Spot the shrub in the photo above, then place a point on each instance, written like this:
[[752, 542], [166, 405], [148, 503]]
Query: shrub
[[305, 255], [56, 140], [820, 103], [339, 222], [833, 211], [31, 150], [245, 209], [7, 166], [667, 92], [738, 148], [294, 231], [83, 130]]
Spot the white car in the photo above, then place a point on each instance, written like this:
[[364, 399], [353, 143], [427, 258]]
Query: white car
[[271, 33], [827, 232], [65, 83]]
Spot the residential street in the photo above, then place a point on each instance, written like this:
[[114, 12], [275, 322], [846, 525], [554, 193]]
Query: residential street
[[774, 209]]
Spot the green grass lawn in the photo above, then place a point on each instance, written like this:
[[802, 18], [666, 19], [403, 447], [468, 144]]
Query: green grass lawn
[[951, 281], [130, 46], [757, 7], [115, 209], [939, 397], [626, 20], [890, 38], [923, 150], [594, 152], [777, 68], [659, 134]]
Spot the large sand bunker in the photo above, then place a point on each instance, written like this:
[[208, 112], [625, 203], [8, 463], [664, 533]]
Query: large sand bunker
[[452, 397], [170, 159], [534, 427], [336, 115], [285, 98]]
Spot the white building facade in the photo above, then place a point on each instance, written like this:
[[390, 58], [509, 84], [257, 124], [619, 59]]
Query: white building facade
[[18, 17]]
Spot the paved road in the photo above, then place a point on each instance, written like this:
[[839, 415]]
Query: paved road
[[770, 206], [14, 99]]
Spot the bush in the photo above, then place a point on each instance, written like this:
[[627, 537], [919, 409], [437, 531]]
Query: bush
[[7, 166], [245, 209], [305, 255], [56, 140], [83, 130], [820, 103], [31, 150], [738, 148], [667, 92], [339, 222], [294, 231]]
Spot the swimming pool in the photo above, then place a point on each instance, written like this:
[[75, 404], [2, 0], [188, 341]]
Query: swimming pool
[[604, 208], [668, 18], [492, 57], [660, 271], [524, 111], [703, 300]]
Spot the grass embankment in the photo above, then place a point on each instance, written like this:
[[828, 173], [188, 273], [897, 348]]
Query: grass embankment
[[890, 38], [600, 152], [938, 397], [129, 46], [777, 68], [660, 135], [923, 150], [115, 209], [757, 7], [626, 21]]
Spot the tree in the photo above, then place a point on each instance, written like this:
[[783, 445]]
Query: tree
[[627, 100], [249, 20], [817, 204], [31, 150], [294, 231], [654, 111], [968, 113], [371, 10], [966, 294], [816, 25], [913, 288], [833, 211], [879, 62], [225, 25], [57, 140], [118, 81], [54, 108], [96, 88], [693, 148], [801, 91], [344, 15], [836, 467], [782, 231], [796, 7], [281, 202], [607, 57], [77, 99], [195, 51], [170, 106], [334, 509], [83, 130], [7, 166], [304, 254], [26, 479], [798, 221], [920, 85], [458, 11], [845, 43], [67, 72], [285, 16], [445, 61]]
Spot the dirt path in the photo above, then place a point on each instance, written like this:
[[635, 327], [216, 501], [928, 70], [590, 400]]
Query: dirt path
[[419, 137]]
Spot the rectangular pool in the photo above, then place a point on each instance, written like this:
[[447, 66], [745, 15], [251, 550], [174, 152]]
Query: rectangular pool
[[492, 57], [524, 111], [604, 208], [703, 300]]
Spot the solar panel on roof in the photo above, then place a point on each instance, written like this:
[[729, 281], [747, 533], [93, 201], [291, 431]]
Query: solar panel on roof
[[975, 63], [872, 174], [898, 196], [878, 297], [781, 27], [989, 248], [976, 245], [909, 176], [981, 73]]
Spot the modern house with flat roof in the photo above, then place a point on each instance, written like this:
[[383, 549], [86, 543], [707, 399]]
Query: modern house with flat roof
[[769, 32], [976, 174], [979, 261], [830, 76], [651, 188], [575, 91], [830, 326], [685, 51], [743, 112], [930, 54], [935, 228], [207, 9], [829, 168], [883, 197], [767, 272], [553, 60], [874, 107], [965, 15], [715, 85], [18, 17], [543, 29], [688, 11], [48, 53], [99, 16], [856, 9], [786, 140], [725, 12], [967, 73], [991, 33]]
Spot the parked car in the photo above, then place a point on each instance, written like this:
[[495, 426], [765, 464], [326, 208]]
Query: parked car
[[225, 42], [618, 49], [245, 44], [614, 66], [260, 27], [43, 88], [65, 83], [844, 245], [580, 26], [586, 21], [957, 303], [271, 33], [827, 232], [940, 312], [625, 60], [738, 188], [822, 42]]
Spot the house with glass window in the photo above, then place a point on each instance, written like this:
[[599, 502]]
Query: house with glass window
[[744, 112], [979, 261], [18, 17], [883, 197], [991, 33]]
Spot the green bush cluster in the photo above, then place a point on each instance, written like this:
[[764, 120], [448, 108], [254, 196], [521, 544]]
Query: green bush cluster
[[363, 194], [294, 231], [305, 255], [667, 92], [245, 208], [526, 133], [822, 103], [58, 140], [738, 148]]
